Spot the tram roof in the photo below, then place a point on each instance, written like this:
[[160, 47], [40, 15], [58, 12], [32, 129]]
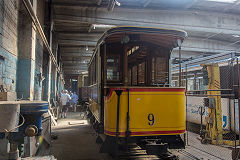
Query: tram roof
[[177, 34], [166, 36]]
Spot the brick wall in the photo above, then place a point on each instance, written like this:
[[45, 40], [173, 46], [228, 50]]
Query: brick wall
[[38, 68], [8, 42]]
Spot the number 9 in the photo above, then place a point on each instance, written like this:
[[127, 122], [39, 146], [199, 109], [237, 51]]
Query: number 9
[[151, 119]]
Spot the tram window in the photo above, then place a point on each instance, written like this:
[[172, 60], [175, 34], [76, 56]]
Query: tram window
[[153, 71], [161, 70], [134, 75], [141, 73], [113, 73], [129, 77]]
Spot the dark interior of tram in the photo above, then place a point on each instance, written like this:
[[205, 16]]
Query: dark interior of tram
[[133, 62]]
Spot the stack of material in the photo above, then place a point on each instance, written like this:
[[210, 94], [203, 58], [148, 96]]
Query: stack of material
[[6, 93], [8, 96]]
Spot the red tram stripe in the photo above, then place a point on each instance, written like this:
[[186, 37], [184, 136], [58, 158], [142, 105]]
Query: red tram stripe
[[147, 132], [157, 89], [146, 90]]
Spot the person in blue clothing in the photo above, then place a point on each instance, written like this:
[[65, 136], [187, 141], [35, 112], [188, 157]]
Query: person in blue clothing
[[74, 101], [64, 100]]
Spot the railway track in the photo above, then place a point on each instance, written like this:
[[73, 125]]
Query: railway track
[[193, 153], [136, 153]]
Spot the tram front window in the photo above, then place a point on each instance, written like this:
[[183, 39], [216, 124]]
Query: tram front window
[[113, 68]]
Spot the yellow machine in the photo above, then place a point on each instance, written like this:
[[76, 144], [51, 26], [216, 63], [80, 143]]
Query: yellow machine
[[214, 130]]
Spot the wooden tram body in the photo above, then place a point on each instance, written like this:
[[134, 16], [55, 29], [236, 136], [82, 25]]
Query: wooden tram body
[[129, 94]]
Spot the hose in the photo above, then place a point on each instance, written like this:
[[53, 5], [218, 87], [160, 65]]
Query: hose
[[8, 131]]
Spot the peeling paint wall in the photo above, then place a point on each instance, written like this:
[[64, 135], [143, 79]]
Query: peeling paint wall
[[8, 43]]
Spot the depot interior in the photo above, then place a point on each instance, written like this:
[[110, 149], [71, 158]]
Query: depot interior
[[47, 46]]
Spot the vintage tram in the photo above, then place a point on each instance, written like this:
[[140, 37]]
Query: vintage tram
[[130, 97]]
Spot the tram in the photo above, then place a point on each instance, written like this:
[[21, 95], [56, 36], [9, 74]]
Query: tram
[[130, 96]]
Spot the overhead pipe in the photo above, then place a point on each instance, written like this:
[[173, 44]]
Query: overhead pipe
[[35, 20]]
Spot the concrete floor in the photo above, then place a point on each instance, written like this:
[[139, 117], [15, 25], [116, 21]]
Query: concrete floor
[[196, 150], [76, 140]]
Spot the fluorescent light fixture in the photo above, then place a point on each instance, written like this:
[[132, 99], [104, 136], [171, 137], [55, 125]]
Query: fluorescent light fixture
[[85, 72], [102, 26], [224, 1], [85, 61], [117, 3]]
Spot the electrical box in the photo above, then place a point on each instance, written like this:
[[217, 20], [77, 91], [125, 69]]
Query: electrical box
[[205, 75], [209, 102]]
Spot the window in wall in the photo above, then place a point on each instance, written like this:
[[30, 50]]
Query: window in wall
[[113, 68]]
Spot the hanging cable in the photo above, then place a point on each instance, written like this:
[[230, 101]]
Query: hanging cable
[[10, 130]]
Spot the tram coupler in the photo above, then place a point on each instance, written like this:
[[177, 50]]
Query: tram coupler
[[156, 149]]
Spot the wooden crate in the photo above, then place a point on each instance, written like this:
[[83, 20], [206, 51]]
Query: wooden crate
[[8, 96]]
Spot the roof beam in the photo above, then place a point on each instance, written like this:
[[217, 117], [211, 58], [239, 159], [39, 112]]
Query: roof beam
[[99, 2], [73, 72], [79, 37], [190, 4], [78, 34], [85, 53], [76, 49], [211, 22], [146, 3], [74, 64], [70, 42], [76, 55], [207, 45], [85, 67]]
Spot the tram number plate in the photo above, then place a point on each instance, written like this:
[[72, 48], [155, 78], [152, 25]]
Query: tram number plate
[[151, 119]]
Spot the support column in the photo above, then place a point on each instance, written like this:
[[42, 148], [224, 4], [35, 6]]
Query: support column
[[195, 81], [55, 84], [26, 63], [49, 78], [54, 70]]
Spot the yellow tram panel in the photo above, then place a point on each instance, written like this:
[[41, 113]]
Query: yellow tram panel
[[155, 111]]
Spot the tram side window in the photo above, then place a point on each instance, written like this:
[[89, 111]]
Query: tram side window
[[160, 70], [113, 73], [134, 75], [130, 77], [141, 74]]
